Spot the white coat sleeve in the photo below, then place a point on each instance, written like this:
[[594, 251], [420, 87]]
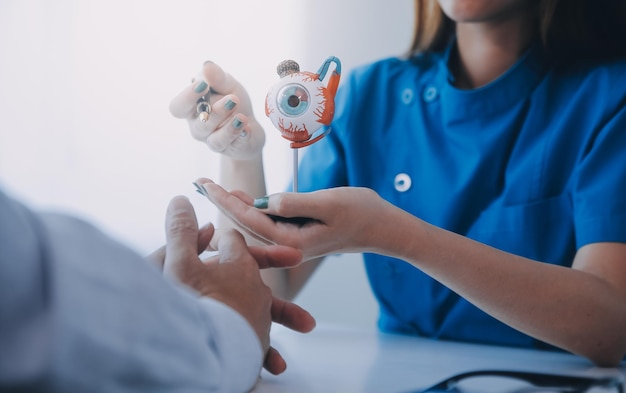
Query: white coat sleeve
[[81, 312]]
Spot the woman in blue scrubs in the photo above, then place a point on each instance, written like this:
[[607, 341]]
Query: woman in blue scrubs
[[483, 176]]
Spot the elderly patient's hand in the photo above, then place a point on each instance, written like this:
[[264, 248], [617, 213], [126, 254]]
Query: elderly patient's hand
[[232, 276]]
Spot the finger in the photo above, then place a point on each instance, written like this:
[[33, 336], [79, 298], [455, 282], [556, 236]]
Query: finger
[[222, 113], [238, 193], [213, 245], [274, 362], [202, 180], [276, 256], [233, 130], [223, 84], [241, 213], [205, 235], [243, 196], [232, 247], [183, 106], [220, 81], [242, 228], [292, 316], [181, 234], [157, 257]]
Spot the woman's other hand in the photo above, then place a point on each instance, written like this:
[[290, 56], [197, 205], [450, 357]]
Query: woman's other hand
[[230, 128]]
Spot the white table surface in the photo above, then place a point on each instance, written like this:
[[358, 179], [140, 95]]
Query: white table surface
[[335, 359]]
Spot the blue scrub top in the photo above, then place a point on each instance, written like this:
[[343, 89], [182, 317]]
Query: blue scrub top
[[533, 163]]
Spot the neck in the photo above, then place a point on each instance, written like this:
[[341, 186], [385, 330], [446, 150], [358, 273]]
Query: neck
[[487, 49]]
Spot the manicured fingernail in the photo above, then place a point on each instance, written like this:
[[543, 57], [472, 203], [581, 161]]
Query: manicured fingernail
[[200, 87], [237, 123], [230, 104], [262, 203], [200, 189]]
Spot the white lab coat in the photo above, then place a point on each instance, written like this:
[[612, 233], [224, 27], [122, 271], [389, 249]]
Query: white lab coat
[[80, 312]]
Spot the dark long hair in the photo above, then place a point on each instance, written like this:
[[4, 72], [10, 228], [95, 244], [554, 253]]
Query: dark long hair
[[569, 29]]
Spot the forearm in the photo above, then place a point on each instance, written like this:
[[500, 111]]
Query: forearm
[[569, 308], [27, 307], [243, 175]]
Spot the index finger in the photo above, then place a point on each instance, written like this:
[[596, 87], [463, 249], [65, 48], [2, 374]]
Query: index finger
[[221, 82], [266, 256], [242, 214], [276, 256], [292, 316], [232, 247], [183, 106], [205, 235]]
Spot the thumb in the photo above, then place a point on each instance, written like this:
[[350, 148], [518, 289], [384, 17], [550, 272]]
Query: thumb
[[181, 234]]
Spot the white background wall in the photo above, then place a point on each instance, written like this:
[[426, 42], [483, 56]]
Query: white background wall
[[84, 93]]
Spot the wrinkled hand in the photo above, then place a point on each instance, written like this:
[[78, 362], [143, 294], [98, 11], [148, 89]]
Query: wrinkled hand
[[337, 220], [232, 276], [231, 128]]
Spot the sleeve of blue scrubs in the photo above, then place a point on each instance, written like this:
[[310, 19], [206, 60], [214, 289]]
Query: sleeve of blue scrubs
[[81, 313], [600, 192]]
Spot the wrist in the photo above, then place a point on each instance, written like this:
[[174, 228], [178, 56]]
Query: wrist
[[238, 163], [245, 175], [401, 234]]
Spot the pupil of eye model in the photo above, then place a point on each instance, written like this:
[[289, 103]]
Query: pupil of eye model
[[293, 101]]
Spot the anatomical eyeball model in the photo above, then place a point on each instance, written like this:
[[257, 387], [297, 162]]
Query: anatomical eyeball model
[[302, 103]]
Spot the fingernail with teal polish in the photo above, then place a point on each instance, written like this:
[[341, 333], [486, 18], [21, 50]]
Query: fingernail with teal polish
[[200, 87], [230, 104], [262, 203], [237, 123]]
